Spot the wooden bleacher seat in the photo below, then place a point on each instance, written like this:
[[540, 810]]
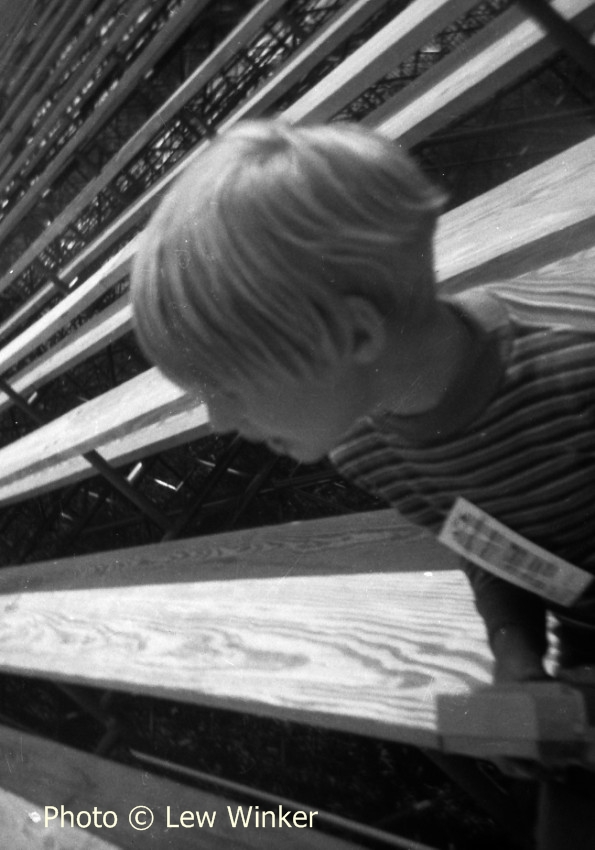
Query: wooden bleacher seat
[[352, 623]]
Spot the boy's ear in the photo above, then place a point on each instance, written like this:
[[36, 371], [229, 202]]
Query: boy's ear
[[368, 332]]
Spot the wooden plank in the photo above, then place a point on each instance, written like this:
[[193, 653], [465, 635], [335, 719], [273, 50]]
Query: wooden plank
[[170, 430], [339, 28], [36, 773], [536, 218], [410, 30], [350, 623], [140, 401], [305, 59], [164, 39], [82, 297], [28, 309], [491, 60], [93, 336]]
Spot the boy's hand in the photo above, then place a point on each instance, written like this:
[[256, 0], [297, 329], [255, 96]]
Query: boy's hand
[[516, 658]]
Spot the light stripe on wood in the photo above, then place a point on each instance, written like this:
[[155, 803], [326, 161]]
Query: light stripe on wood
[[328, 622]]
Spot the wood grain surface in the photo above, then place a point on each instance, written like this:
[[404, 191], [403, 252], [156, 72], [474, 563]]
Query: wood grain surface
[[35, 773], [351, 623]]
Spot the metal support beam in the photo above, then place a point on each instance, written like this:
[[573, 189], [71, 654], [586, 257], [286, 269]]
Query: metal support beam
[[211, 482]]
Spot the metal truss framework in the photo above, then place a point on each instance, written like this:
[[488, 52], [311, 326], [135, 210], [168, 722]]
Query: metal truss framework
[[215, 484]]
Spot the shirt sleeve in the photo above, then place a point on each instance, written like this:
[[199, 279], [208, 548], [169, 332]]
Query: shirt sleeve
[[501, 604]]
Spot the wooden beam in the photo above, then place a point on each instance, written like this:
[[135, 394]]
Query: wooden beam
[[399, 39], [93, 336], [35, 773], [350, 623], [539, 217], [140, 401], [28, 309], [329, 37], [170, 430], [499, 54], [82, 297]]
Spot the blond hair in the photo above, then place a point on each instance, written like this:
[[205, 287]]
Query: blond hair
[[244, 268]]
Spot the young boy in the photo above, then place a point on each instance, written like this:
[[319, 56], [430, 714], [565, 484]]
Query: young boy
[[287, 280]]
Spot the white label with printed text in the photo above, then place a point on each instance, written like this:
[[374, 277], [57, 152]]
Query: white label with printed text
[[489, 544]]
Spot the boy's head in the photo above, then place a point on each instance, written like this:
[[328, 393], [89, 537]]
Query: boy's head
[[251, 266]]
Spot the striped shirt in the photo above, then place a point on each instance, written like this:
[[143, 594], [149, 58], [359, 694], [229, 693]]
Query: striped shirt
[[526, 457]]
